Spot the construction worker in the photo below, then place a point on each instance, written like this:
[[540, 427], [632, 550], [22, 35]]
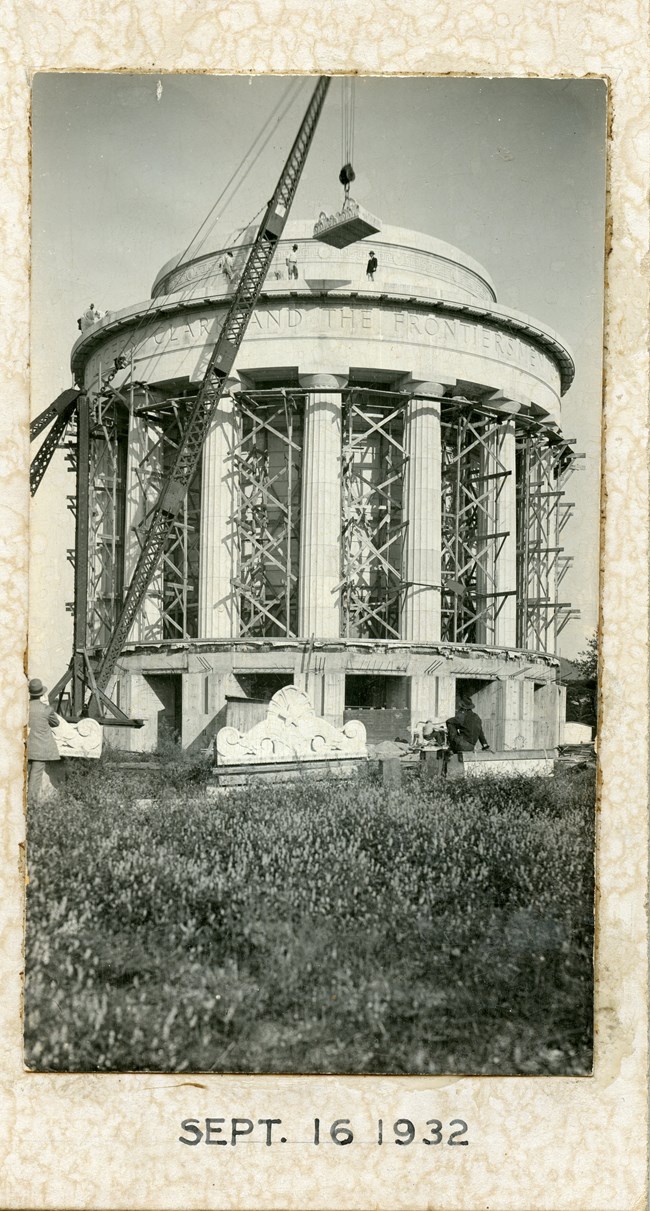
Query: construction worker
[[372, 266], [89, 317], [433, 733], [291, 261], [465, 728], [227, 265], [41, 745]]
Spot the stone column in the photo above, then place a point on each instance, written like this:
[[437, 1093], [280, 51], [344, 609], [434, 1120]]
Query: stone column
[[547, 715], [509, 720], [203, 705], [505, 631], [431, 697], [422, 511], [320, 517], [334, 698], [312, 685], [217, 602], [143, 478]]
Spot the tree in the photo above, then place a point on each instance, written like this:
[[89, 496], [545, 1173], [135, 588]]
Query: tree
[[582, 694], [587, 661]]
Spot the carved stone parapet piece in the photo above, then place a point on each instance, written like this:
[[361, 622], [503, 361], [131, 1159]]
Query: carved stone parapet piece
[[82, 739], [291, 732]]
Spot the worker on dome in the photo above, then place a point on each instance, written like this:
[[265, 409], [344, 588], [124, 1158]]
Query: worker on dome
[[89, 317], [372, 266], [227, 265], [291, 262]]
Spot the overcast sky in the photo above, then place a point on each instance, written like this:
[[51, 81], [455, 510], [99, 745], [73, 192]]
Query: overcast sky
[[126, 167]]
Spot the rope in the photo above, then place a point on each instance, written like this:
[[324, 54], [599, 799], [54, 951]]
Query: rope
[[289, 99], [348, 119], [286, 100]]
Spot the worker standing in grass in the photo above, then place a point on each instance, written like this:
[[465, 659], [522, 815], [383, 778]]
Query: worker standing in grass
[[41, 745], [465, 729]]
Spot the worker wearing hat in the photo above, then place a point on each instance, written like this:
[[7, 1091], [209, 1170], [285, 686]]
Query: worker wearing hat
[[41, 745], [465, 728]]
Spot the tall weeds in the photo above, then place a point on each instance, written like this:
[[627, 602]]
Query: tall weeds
[[321, 927]]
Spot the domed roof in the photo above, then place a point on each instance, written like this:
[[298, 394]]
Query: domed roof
[[302, 229]]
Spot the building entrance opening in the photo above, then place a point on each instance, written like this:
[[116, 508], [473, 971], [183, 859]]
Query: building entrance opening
[[165, 705], [486, 699], [370, 691], [250, 705], [262, 686], [381, 703]]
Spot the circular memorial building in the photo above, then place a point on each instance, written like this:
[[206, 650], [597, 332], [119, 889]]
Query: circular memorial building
[[379, 511]]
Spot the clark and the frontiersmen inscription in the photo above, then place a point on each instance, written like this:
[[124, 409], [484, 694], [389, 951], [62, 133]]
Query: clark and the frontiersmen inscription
[[399, 325]]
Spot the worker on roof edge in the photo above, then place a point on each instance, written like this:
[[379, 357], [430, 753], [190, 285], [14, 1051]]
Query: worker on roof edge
[[291, 261], [372, 266], [89, 317]]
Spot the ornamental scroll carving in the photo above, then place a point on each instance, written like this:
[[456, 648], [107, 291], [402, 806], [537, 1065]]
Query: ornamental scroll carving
[[291, 732], [82, 739]]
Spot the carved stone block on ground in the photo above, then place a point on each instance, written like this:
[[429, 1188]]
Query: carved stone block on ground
[[291, 731], [82, 739]]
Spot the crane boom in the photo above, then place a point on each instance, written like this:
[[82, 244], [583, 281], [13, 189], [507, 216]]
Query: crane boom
[[60, 412], [63, 404], [213, 384]]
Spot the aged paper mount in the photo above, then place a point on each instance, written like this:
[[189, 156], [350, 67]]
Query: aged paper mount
[[112, 1141]]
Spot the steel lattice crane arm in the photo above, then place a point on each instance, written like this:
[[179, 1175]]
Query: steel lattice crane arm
[[60, 411], [212, 387], [62, 404]]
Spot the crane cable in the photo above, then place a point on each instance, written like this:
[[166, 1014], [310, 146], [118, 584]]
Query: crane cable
[[347, 118], [346, 175], [284, 103]]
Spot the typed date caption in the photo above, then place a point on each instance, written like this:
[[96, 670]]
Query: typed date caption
[[340, 1132]]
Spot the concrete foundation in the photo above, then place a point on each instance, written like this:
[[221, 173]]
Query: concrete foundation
[[186, 692]]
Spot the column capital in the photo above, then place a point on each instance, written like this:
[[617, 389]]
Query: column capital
[[504, 403], [418, 386], [323, 381]]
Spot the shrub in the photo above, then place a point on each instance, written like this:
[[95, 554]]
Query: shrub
[[320, 927]]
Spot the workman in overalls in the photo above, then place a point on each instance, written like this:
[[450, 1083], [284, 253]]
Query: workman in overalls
[[465, 729]]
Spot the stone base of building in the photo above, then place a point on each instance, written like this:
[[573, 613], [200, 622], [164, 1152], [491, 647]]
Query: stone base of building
[[188, 691], [523, 763]]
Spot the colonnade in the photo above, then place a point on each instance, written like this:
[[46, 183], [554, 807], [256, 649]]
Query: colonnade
[[319, 612]]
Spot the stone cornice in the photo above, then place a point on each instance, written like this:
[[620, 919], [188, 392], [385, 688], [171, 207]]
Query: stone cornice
[[501, 318], [456, 650]]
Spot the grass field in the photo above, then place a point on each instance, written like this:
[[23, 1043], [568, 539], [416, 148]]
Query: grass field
[[324, 928]]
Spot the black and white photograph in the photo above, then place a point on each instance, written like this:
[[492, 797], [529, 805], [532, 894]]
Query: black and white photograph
[[316, 399]]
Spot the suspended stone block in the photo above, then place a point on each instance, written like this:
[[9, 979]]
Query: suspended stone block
[[347, 226], [291, 733], [82, 739]]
